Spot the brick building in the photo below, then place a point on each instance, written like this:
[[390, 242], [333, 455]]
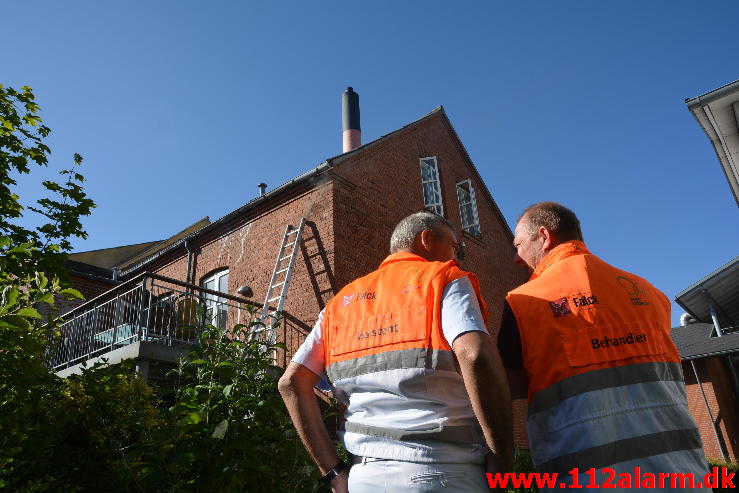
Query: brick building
[[350, 202], [708, 341], [708, 338]]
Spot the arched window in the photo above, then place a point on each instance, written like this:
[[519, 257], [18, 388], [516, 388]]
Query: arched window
[[215, 307]]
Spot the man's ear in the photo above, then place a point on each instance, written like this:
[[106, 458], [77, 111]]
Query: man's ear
[[547, 238], [425, 240]]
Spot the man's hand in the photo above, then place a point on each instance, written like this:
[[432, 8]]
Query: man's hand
[[487, 385], [296, 387], [340, 484]]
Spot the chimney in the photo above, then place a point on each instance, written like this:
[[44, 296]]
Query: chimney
[[352, 133], [262, 187]]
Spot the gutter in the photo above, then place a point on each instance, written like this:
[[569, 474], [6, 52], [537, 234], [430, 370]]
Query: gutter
[[711, 96], [252, 203], [724, 352]]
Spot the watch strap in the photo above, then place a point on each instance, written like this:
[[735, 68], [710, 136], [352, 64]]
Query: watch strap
[[334, 471]]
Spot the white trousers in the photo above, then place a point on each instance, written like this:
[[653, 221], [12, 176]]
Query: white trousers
[[389, 476]]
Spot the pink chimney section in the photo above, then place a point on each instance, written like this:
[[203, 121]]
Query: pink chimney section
[[352, 132]]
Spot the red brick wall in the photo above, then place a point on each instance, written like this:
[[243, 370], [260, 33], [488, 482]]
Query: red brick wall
[[90, 288], [717, 388], [248, 249]]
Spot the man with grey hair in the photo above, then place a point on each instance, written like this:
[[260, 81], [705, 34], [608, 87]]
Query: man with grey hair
[[605, 386], [407, 351]]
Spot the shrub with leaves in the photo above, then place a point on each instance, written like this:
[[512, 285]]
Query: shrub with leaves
[[232, 430]]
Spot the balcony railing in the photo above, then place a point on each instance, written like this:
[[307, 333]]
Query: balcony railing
[[150, 308]]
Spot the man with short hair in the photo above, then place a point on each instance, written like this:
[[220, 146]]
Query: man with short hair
[[407, 351], [605, 385]]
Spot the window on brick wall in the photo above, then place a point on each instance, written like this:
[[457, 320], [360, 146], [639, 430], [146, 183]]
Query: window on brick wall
[[468, 208], [215, 307], [431, 185]]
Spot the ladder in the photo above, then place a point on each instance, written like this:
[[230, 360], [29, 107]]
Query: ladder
[[281, 274]]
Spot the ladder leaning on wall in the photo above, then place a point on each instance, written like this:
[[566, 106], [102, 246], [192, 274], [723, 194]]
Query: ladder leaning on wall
[[269, 316]]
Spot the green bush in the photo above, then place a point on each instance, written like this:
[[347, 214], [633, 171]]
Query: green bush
[[107, 430], [229, 428]]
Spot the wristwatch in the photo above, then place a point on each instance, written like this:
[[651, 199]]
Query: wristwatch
[[333, 472]]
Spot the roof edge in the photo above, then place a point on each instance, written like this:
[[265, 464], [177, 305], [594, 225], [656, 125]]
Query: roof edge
[[706, 278], [345, 155], [466, 155], [713, 95], [224, 219]]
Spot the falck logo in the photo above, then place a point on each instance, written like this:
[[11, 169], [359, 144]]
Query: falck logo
[[347, 299], [632, 289], [560, 308]]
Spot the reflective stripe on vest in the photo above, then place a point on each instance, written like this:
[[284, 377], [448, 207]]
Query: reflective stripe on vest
[[604, 420], [387, 325], [605, 382], [435, 359]]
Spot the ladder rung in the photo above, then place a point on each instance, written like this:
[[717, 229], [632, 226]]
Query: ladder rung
[[288, 245], [292, 231], [283, 270], [273, 299], [283, 258], [277, 285]]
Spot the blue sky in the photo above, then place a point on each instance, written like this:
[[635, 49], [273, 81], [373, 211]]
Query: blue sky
[[181, 108]]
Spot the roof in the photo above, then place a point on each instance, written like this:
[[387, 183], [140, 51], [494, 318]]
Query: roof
[[307, 177], [140, 260], [108, 258], [717, 112], [159, 245], [94, 272], [694, 341], [720, 287]]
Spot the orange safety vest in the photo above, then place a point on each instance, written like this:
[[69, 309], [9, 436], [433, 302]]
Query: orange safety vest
[[605, 381], [390, 320]]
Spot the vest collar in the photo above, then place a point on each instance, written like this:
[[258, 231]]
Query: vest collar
[[403, 257], [562, 251]]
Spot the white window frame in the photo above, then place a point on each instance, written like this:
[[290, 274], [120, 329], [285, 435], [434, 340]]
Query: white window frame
[[472, 228], [438, 207], [213, 306]]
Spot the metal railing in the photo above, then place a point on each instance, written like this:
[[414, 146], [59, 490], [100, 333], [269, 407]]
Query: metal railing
[[151, 308]]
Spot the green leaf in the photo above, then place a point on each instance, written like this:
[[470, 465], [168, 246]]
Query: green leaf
[[193, 418], [198, 362], [10, 297], [15, 321], [41, 280], [45, 298], [221, 429], [28, 312], [70, 293], [227, 390]]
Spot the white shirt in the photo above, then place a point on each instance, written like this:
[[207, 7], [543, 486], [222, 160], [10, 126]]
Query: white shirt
[[408, 398]]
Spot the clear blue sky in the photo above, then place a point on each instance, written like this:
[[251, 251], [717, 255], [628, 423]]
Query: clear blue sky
[[181, 108]]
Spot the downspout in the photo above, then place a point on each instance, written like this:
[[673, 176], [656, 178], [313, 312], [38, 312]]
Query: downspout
[[190, 254], [710, 414]]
